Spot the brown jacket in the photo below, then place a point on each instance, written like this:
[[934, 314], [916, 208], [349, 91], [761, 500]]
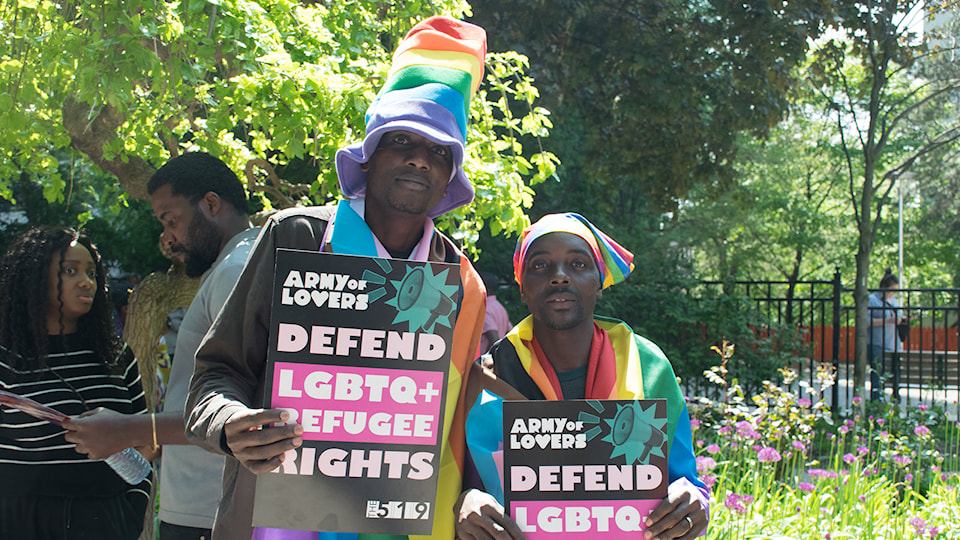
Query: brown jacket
[[229, 374]]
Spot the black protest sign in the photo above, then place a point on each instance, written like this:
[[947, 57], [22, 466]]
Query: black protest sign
[[584, 468], [359, 354]]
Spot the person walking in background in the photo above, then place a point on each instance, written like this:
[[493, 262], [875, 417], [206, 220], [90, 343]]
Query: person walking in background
[[58, 346], [884, 315], [496, 323], [202, 206]]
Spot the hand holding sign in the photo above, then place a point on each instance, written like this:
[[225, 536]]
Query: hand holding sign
[[479, 517], [256, 444], [679, 515]]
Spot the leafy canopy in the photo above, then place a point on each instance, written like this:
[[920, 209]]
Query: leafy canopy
[[130, 84]]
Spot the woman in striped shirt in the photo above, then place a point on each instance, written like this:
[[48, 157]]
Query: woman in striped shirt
[[58, 347]]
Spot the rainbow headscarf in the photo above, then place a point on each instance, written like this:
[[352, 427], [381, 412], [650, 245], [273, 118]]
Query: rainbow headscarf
[[615, 262], [436, 70]]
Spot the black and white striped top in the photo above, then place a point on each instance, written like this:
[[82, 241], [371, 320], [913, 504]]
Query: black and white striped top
[[35, 458]]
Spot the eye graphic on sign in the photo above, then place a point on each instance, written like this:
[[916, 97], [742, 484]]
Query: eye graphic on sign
[[423, 300]]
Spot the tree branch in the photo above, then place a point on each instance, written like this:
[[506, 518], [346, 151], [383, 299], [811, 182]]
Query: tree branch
[[90, 135]]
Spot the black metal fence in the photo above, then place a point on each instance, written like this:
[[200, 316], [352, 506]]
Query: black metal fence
[[920, 368]]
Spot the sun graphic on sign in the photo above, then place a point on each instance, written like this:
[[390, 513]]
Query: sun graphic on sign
[[423, 300], [635, 433]]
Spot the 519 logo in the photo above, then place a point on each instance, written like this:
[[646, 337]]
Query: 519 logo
[[398, 510]]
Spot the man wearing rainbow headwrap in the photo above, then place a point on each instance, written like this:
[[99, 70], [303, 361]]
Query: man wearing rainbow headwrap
[[563, 351], [406, 171]]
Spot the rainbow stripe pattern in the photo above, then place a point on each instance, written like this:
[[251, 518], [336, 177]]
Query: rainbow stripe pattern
[[613, 260], [436, 71]]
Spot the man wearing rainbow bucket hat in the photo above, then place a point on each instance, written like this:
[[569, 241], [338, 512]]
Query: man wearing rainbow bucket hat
[[563, 351], [407, 170]]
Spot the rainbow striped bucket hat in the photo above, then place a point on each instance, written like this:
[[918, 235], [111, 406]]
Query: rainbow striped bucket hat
[[435, 72]]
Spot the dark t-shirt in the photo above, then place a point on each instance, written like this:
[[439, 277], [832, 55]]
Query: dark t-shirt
[[573, 383]]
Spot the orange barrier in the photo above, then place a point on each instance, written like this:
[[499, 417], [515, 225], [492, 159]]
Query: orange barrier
[[927, 339]]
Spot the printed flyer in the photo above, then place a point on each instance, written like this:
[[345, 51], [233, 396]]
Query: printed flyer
[[584, 468], [359, 355]]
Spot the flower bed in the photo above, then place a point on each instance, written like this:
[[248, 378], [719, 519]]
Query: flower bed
[[781, 467]]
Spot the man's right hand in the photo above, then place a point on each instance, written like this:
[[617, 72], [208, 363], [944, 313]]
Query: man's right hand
[[255, 444], [479, 517]]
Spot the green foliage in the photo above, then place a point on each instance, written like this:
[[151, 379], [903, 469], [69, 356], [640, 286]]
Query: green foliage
[[772, 225], [889, 111], [779, 468], [648, 96], [125, 231], [279, 80]]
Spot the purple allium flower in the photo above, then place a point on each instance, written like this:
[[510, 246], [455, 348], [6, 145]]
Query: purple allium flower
[[713, 449], [700, 442], [857, 400], [757, 448], [738, 503], [934, 532], [709, 479], [849, 458], [850, 423], [705, 463], [797, 445], [725, 429], [918, 525], [806, 487], [734, 445], [768, 455], [694, 423], [862, 497], [815, 473], [863, 450], [881, 421], [908, 477], [923, 407], [921, 430], [804, 402], [843, 430], [903, 461]]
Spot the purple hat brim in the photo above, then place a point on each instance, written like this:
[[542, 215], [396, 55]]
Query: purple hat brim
[[353, 180]]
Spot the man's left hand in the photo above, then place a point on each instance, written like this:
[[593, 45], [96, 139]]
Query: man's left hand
[[680, 515]]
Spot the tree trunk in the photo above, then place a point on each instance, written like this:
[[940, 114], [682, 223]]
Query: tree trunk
[[88, 135], [864, 248]]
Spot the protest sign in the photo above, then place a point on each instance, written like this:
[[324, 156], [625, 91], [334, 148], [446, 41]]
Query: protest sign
[[584, 468], [359, 354]]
